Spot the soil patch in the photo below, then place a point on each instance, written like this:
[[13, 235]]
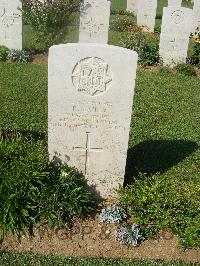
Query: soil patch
[[89, 238], [40, 59]]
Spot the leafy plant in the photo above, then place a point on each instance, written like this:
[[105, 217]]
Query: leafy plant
[[3, 53], [22, 161], [33, 190], [145, 44], [129, 235], [65, 195], [195, 58], [149, 54], [121, 12], [114, 214], [49, 19], [152, 203], [119, 23], [19, 56], [186, 70]]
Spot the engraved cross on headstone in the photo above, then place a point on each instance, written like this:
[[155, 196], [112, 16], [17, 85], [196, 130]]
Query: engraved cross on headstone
[[92, 27], [173, 42], [87, 149]]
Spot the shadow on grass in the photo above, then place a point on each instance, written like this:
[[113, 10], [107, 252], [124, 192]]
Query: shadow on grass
[[151, 157]]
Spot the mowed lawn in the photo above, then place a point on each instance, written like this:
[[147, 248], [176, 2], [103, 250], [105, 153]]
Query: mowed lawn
[[7, 259], [165, 127]]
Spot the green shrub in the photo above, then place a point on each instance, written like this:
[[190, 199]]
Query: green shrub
[[65, 195], [144, 44], [19, 56], [49, 20], [149, 54], [32, 190], [186, 70], [156, 203], [120, 23], [22, 161], [3, 53], [121, 12], [195, 58], [165, 70]]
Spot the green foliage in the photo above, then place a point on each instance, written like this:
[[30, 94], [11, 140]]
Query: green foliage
[[33, 191], [120, 23], [3, 53], [49, 20], [156, 203], [65, 195], [146, 45], [19, 56], [186, 70], [149, 54], [22, 161], [195, 58], [165, 70], [19, 259], [121, 12], [164, 134]]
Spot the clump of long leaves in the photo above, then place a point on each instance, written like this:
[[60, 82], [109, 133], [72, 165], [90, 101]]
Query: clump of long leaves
[[32, 190]]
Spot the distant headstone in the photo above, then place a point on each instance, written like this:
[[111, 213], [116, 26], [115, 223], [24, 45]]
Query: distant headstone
[[94, 21], [91, 88], [132, 6], [175, 33], [176, 3], [146, 13], [196, 15], [11, 24]]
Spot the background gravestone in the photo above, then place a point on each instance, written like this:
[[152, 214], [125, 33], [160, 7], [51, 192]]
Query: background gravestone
[[91, 89], [176, 3], [175, 32], [132, 6], [94, 21], [196, 15], [146, 13], [11, 24]]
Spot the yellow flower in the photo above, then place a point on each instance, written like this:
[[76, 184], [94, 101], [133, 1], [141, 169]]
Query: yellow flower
[[65, 173]]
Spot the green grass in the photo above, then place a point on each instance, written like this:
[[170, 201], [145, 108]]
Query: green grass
[[164, 136], [73, 29], [36, 260], [23, 90]]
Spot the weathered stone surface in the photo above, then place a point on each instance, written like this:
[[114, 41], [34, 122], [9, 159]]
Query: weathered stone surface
[[91, 89], [11, 24], [146, 13], [94, 21], [175, 32], [176, 3], [132, 6], [196, 15]]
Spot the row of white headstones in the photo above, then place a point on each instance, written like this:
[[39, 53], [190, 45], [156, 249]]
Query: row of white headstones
[[90, 96], [177, 24]]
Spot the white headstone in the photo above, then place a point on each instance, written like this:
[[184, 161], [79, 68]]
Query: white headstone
[[196, 15], [176, 3], [175, 32], [91, 88], [11, 24], [132, 6], [146, 13], [94, 21]]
